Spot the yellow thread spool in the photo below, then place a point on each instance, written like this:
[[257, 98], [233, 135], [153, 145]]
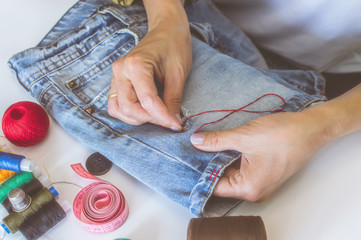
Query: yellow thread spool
[[5, 174]]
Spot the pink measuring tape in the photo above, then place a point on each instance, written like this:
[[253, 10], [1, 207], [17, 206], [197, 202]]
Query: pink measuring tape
[[100, 206]]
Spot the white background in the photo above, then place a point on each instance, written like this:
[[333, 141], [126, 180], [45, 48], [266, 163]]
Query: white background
[[322, 201]]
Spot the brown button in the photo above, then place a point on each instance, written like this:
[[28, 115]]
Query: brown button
[[89, 110], [97, 164]]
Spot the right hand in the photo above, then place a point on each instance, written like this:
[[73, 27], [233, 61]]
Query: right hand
[[274, 147], [165, 55]]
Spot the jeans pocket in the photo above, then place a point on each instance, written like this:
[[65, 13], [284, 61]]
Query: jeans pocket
[[85, 73]]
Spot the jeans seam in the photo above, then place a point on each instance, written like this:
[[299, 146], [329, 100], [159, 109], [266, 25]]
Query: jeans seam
[[45, 101], [63, 36], [213, 182], [309, 102], [58, 22], [161, 152], [194, 27], [97, 99], [317, 86], [41, 95], [81, 55], [92, 103], [108, 57], [105, 125], [100, 107], [81, 110], [114, 11]]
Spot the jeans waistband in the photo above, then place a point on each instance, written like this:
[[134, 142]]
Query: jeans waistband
[[60, 48]]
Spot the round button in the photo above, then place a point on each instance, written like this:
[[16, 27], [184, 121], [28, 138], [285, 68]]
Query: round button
[[97, 164]]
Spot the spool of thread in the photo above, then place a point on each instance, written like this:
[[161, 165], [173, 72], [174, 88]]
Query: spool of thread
[[45, 219], [230, 228], [14, 162], [15, 181], [13, 221], [30, 189], [25, 124], [5, 174]]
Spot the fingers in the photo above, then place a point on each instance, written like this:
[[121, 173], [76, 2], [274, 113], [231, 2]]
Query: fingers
[[126, 107], [137, 101], [227, 185], [241, 183], [218, 141], [173, 89], [150, 101], [166, 59], [237, 187]]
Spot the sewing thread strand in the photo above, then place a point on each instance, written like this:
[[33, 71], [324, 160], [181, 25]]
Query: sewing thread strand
[[238, 110]]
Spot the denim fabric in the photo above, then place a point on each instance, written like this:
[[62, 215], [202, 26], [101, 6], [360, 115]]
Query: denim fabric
[[69, 73]]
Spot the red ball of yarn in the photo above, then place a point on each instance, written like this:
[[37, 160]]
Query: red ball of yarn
[[25, 124]]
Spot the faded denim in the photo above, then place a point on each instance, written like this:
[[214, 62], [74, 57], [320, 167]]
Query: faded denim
[[69, 74]]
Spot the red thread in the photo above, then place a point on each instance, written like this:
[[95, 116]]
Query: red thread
[[25, 124], [211, 174], [237, 110], [215, 176]]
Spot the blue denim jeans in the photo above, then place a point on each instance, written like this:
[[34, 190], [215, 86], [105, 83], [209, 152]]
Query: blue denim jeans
[[70, 70]]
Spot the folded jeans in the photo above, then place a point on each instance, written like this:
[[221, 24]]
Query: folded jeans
[[70, 70]]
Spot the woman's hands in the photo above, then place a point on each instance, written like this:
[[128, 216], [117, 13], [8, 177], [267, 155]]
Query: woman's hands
[[274, 147], [165, 55]]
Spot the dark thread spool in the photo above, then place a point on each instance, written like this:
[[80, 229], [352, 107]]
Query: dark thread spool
[[228, 228], [42, 221], [15, 219], [30, 189], [16, 181]]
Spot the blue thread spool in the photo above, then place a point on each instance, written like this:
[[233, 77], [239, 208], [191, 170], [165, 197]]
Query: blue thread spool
[[14, 162]]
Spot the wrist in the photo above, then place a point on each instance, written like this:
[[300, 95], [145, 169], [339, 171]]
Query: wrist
[[166, 13], [323, 120]]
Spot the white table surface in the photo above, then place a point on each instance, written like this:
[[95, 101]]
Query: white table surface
[[322, 201]]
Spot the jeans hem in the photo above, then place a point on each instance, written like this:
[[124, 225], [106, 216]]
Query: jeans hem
[[203, 190]]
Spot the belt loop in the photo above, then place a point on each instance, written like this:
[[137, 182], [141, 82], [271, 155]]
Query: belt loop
[[119, 14]]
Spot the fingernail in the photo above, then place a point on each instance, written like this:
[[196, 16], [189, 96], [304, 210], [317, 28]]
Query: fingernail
[[175, 128], [197, 138], [179, 117]]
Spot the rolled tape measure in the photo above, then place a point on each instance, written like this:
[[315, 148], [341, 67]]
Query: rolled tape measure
[[100, 206]]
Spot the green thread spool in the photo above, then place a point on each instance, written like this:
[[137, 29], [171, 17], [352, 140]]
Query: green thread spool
[[15, 181], [15, 219]]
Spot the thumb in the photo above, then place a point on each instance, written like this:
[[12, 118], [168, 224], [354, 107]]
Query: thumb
[[217, 141]]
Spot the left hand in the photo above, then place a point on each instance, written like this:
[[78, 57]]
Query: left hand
[[164, 55], [274, 147]]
